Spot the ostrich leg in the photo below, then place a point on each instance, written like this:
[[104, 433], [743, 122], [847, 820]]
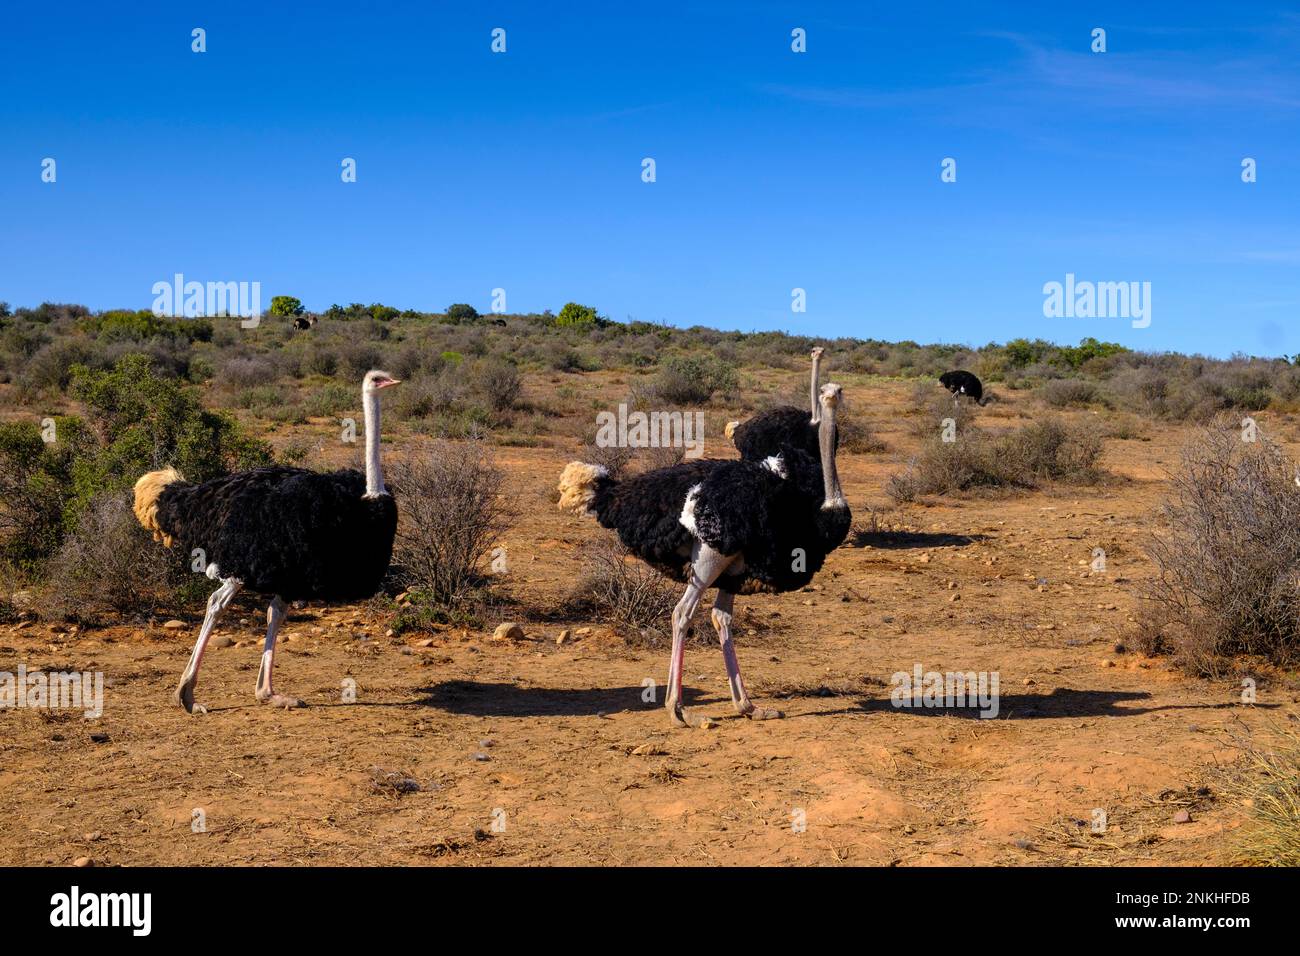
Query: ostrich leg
[[217, 602], [706, 565], [265, 693], [739, 697]]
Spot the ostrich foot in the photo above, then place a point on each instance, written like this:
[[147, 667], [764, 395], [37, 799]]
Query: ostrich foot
[[681, 717], [749, 710], [278, 700], [183, 697]]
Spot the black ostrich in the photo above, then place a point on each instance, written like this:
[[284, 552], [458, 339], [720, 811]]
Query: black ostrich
[[764, 435], [304, 322], [289, 533], [743, 526], [963, 383]]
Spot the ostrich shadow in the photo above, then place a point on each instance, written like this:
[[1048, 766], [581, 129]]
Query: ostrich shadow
[[480, 699], [1061, 702], [900, 540]]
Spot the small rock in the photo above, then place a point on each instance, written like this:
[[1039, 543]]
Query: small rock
[[93, 837], [565, 635], [1182, 816], [508, 631], [481, 757], [100, 738], [222, 642], [955, 597], [83, 861], [426, 642], [487, 743], [389, 633], [173, 625], [1029, 682]]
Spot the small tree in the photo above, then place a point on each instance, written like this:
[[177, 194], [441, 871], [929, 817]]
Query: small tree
[[574, 314], [459, 312], [286, 305]]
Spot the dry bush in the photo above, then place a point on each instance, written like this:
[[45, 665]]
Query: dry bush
[[453, 511], [625, 590], [111, 564], [1227, 556], [1064, 392], [1051, 450]]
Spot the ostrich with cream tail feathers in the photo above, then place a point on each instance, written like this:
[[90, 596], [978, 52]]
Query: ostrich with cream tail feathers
[[741, 526], [289, 533]]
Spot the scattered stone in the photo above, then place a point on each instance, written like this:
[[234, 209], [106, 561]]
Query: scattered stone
[[481, 757], [173, 625], [93, 837], [565, 635], [83, 862], [647, 750], [100, 738], [222, 642], [1029, 682], [390, 633], [508, 631], [1182, 816], [955, 597], [486, 743], [426, 642]]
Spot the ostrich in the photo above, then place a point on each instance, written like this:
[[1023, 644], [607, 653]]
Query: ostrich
[[740, 525], [763, 435], [963, 383], [288, 533], [304, 322]]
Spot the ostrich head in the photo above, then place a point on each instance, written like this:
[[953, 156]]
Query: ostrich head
[[375, 380], [817, 353], [830, 395]]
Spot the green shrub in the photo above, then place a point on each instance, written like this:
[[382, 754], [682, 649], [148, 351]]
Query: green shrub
[[286, 305], [459, 312], [578, 316]]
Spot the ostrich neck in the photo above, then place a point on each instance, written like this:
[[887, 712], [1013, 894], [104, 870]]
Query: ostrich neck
[[826, 441], [816, 405], [374, 471]]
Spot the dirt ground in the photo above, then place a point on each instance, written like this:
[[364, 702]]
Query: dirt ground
[[533, 752]]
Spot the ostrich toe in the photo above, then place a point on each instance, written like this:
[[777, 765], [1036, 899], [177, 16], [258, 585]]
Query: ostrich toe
[[279, 700]]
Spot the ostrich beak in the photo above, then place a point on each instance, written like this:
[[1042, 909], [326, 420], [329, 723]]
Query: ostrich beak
[[388, 381]]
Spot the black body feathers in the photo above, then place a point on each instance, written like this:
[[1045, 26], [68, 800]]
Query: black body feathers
[[767, 433], [963, 383], [776, 524], [287, 531]]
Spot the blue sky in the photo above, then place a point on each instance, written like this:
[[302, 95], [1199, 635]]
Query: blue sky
[[775, 170]]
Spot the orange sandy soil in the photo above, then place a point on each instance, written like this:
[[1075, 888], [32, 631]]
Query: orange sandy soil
[[586, 773]]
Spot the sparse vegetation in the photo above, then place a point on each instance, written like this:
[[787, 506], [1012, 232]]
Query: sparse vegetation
[[1225, 556], [453, 512]]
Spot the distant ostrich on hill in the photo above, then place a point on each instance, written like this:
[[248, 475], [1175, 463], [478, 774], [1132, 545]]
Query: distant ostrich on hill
[[742, 525], [763, 435], [304, 322], [289, 533], [963, 383]]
